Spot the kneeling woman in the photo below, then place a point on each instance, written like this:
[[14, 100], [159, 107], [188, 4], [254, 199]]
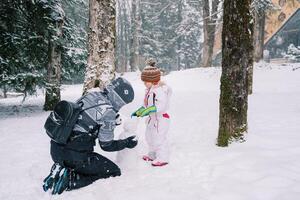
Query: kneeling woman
[[75, 163]]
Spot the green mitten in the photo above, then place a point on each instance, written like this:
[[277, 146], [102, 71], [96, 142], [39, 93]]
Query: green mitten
[[148, 111], [138, 112]]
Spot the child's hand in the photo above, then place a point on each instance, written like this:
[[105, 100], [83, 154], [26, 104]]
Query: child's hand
[[138, 112]]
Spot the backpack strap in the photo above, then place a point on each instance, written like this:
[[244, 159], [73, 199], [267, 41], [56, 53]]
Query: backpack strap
[[94, 106], [96, 126], [81, 104]]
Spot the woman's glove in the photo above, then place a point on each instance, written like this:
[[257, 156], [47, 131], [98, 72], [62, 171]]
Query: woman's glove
[[131, 142]]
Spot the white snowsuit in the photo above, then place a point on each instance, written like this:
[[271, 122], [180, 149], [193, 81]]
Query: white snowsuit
[[157, 124]]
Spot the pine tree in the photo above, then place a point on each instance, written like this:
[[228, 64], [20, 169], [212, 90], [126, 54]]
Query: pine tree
[[237, 55], [28, 28], [74, 51], [101, 43], [22, 46], [158, 36], [167, 30], [293, 53], [190, 31]]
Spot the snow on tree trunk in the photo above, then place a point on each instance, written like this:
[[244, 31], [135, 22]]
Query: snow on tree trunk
[[209, 28], [54, 67], [101, 43], [237, 56]]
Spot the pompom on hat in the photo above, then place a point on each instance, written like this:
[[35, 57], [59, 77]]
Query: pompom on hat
[[151, 73]]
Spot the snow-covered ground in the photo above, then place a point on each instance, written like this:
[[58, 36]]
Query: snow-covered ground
[[265, 167]]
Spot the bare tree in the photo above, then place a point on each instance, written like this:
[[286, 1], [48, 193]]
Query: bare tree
[[258, 40], [259, 8], [259, 35], [135, 32], [209, 28], [101, 43], [237, 56]]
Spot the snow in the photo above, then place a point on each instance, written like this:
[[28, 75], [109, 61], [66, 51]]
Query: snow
[[265, 167], [128, 158]]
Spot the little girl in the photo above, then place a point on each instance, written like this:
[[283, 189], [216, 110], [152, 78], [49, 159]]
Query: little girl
[[156, 105]]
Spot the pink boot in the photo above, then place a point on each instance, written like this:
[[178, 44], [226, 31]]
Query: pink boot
[[159, 164], [147, 158]]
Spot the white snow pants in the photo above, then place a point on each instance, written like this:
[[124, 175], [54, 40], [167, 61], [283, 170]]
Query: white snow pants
[[157, 137]]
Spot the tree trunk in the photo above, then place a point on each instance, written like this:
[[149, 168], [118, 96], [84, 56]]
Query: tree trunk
[[209, 28], [135, 28], [179, 40], [4, 91], [122, 44], [54, 68], [250, 78], [126, 42], [259, 35], [237, 56], [101, 43], [119, 36]]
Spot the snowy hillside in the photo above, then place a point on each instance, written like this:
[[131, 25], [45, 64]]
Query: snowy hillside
[[265, 167]]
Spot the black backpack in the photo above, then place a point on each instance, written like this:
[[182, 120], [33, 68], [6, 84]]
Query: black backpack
[[60, 122], [62, 119]]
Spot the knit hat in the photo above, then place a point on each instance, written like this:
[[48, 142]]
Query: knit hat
[[151, 73]]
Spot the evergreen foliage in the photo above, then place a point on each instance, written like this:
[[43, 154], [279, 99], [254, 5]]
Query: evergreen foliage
[[171, 32], [293, 53], [25, 30], [171, 29]]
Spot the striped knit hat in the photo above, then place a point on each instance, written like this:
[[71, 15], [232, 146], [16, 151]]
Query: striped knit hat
[[151, 73]]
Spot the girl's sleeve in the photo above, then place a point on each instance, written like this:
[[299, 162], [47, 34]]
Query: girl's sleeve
[[162, 100]]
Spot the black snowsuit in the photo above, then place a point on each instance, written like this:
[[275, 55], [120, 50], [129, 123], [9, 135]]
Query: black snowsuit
[[78, 154]]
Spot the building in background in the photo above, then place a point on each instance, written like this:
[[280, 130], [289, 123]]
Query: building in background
[[282, 30]]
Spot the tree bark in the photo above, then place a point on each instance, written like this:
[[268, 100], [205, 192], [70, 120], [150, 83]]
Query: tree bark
[[126, 42], [101, 43], [179, 40], [135, 29], [54, 67], [122, 42], [4, 91], [250, 78], [209, 29], [237, 56], [259, 35]]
